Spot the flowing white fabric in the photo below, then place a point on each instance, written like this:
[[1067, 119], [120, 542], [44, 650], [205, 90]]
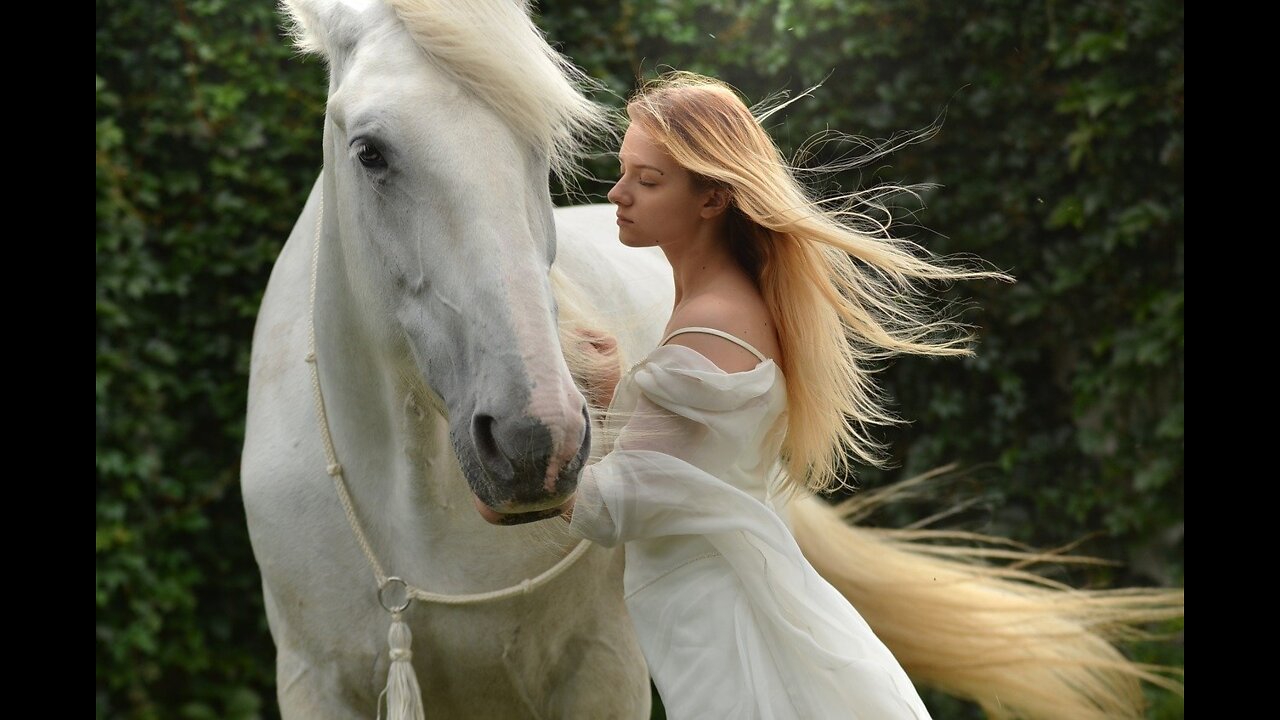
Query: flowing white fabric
[[733, 621]]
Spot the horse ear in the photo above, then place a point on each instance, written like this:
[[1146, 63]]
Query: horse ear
[[302, 25], [326, 28]]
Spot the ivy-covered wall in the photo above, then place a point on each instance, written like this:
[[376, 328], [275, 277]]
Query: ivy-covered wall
[[1060, 160]]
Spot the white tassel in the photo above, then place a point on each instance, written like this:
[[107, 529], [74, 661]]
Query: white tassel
[[404, 697]]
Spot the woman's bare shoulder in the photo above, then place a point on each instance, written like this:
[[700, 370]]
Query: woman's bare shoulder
[[741, 314]]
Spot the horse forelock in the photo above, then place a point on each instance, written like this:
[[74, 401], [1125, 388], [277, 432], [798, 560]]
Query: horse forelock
[[498, 53], [492, 48]]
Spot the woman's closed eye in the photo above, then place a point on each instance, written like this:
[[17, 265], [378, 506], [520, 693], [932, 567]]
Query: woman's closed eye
[[642, 182]]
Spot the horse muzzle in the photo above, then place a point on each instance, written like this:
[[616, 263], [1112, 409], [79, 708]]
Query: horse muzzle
[[523, 469]]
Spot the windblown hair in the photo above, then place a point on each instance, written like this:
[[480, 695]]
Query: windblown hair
[[843, 293], [978, 617]]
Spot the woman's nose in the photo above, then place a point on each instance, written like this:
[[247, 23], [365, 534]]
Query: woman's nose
[[615, 195]]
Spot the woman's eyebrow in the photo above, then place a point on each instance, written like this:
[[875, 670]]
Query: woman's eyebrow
[[642, 167]]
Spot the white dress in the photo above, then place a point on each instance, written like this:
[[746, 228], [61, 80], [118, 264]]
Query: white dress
[[732, 619]]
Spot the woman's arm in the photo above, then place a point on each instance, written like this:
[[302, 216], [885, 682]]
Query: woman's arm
[[646, 483]]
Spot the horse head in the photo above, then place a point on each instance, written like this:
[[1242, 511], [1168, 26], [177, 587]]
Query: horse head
[[443, 122]]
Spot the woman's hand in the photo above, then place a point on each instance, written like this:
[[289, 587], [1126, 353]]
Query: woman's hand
[[605, 368]]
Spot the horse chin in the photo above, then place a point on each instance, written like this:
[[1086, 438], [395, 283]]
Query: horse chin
[[494, 517]]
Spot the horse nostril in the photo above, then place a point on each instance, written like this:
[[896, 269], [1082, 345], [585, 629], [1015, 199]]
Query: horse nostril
[[482, 433], [519, 455]]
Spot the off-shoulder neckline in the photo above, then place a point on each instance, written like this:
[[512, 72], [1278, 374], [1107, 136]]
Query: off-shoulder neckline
[[767, 362]]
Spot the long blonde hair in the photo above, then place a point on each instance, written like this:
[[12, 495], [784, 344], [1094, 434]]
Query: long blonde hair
[[844, 294]]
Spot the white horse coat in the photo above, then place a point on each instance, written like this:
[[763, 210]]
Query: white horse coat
[[431, 287]]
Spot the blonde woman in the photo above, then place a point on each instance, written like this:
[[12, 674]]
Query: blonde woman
[[760, 390]]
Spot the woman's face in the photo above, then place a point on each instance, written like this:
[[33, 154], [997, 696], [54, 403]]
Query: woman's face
[[656, 198]]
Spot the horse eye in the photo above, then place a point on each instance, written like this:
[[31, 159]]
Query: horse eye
[[369, 156]]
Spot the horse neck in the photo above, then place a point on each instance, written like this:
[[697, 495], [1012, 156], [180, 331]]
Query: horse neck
[[393, 443]]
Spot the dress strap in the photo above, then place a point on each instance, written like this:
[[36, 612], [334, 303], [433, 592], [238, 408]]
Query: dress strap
[[720, 333]]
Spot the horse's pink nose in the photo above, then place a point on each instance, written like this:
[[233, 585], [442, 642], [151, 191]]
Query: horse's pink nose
[[529, 470]]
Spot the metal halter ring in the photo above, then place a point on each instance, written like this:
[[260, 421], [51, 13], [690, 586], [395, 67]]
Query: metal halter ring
[[382, 598]]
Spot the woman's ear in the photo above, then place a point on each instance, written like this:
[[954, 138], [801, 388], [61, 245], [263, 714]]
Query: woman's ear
[[715, 202]]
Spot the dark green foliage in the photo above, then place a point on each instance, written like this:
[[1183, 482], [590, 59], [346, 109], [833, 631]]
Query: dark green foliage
[[1060, 160], [207, 142]]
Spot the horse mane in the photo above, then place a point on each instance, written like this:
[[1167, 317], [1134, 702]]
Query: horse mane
[[491, 47], [494, 48]]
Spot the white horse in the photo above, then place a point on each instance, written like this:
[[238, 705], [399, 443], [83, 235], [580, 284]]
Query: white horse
[[425, 250]]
